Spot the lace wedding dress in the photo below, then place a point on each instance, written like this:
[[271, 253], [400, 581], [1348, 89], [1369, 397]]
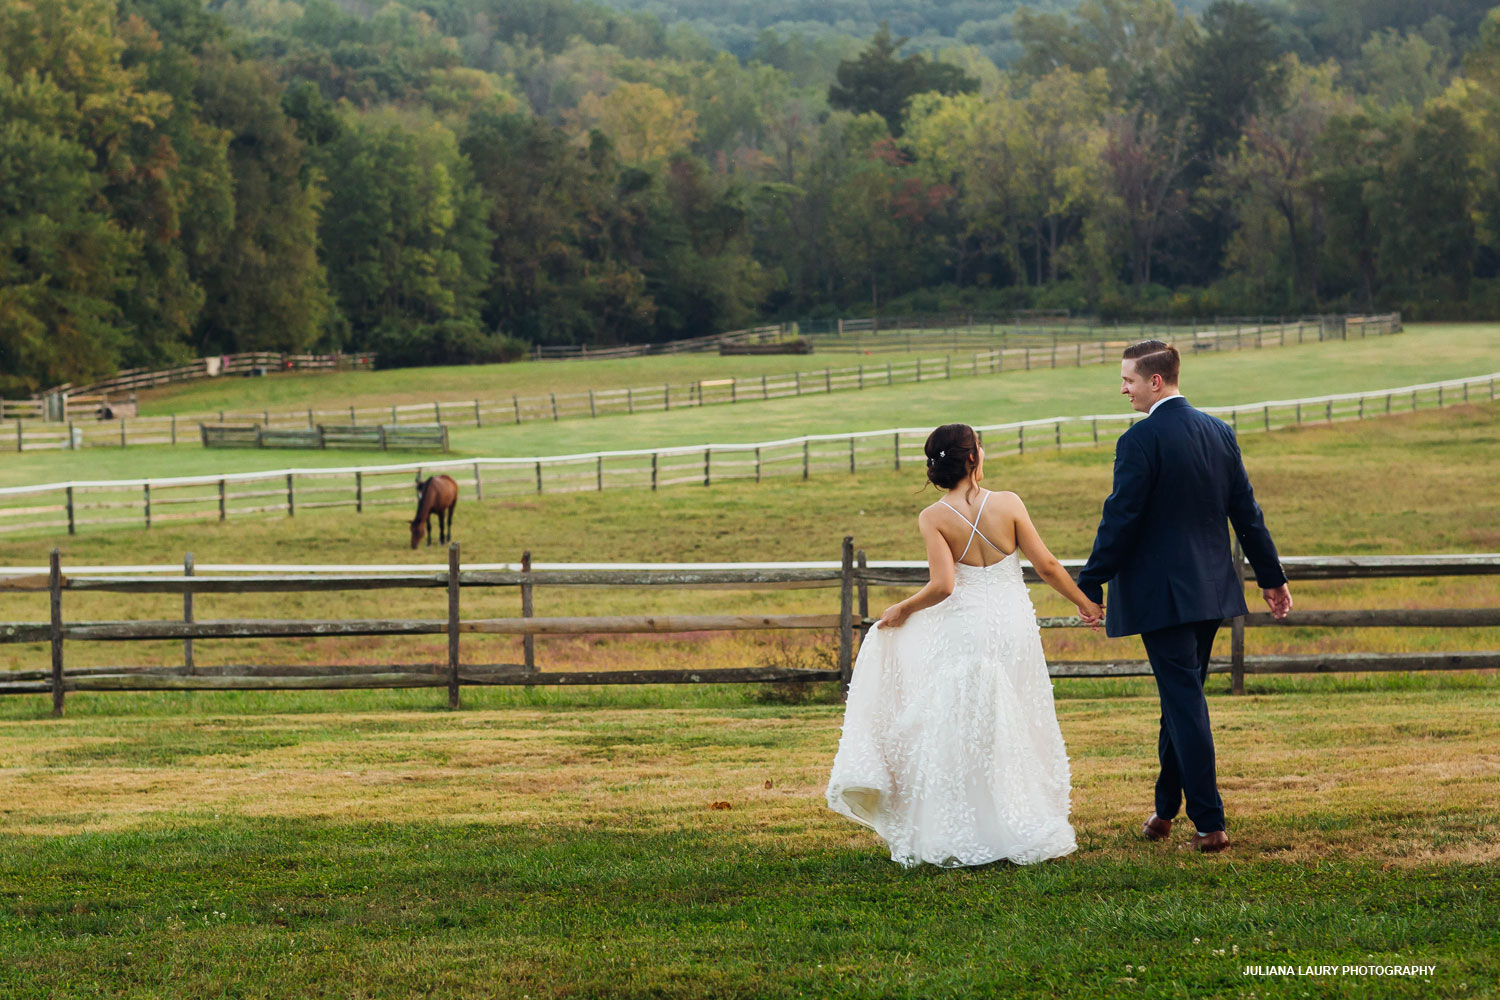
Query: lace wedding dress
[[951, 749]]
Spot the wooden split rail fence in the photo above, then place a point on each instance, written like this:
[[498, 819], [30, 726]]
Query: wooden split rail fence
[[1024, 353], [853, 576], [144, 502], [365, 436], [1073, 343]]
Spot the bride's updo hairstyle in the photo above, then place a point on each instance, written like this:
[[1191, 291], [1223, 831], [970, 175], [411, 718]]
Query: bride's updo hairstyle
[[952, 452]]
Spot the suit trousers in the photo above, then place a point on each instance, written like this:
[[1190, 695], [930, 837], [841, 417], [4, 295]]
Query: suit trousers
[[1185, 745]]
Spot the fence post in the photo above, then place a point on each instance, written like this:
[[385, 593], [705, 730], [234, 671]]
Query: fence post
[[889, 379], [554, 406], [515, 401], [221, 499], [70, 511], [20, 438], [846, 610], [707, 453], [122, 432], [1057, 436], [798, 375], [666, 396], [804, 460], [864, 594], [896, 449], [291, 499], [146, 493], [1268, 413], [654, 456], [629, 400], [1021, 439], [478, 418], [757, 463], [539, 477], [452, 624], [359, 492], [187, 613], [174, 430], [528, 642], [54, 593], [1237, 632], [478, 484]]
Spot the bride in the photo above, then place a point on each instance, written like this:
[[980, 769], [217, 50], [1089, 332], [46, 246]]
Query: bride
[[950, 748]]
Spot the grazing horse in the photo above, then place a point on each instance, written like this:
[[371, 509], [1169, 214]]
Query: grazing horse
[[437, 495]]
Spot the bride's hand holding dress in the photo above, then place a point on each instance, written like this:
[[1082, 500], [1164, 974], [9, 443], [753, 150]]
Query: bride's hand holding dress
[[951, 749]]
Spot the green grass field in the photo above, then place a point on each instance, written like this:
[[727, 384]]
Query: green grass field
[[1406, 484], [364, 845], [466, 382], [559, 842], [1424, 353]]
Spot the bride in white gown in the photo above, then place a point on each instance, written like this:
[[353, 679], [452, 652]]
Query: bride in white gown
[[951, 750]]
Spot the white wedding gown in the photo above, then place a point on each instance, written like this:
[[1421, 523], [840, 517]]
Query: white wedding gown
[[951, 749]]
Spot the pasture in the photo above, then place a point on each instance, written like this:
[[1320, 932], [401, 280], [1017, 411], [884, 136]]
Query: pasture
[[672, 841], [1423, 353]]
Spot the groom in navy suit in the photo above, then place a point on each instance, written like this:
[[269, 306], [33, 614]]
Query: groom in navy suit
[[1163, 549]]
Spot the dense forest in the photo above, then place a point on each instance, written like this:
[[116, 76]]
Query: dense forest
[[450, 180]]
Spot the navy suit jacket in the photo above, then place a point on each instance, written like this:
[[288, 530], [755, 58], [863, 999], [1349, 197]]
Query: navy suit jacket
[[1162, 546]]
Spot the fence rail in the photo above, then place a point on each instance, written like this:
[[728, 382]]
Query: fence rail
[[853, 575], [1007, 352], [220, 364], [69, 506]]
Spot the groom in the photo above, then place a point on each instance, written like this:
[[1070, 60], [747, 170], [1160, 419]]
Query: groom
[[1165, 554]]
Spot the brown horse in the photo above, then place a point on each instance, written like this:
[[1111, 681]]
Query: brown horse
[[437, 495]]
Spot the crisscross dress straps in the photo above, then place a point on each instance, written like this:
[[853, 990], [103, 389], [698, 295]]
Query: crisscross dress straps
[[974, 525]]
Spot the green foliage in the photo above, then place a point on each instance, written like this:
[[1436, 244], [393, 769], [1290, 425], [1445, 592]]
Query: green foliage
[[434, 177], [881, 82]]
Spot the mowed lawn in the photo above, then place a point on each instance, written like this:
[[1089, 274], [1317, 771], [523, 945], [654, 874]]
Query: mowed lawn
[[1422, 354], [641, 844]]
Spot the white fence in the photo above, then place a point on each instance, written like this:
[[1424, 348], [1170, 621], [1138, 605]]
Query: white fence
[[68, 506], [1039, 352]]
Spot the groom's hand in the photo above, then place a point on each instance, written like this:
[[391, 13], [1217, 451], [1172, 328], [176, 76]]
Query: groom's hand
[[1279, 600]]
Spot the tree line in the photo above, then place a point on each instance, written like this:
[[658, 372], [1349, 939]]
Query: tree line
[[452, 180]]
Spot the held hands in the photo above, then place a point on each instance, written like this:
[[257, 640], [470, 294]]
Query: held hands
[[1279, 600], [893, 617], [1091, 613]]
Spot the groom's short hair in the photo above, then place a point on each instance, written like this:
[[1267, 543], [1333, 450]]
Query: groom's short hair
[[1155, 357]]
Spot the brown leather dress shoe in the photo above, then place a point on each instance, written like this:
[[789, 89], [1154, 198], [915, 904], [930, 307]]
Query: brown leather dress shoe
[[1156, 828], [1211, 843]]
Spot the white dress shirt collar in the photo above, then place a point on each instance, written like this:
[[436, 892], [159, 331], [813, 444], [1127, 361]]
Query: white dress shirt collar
[[1175, 395]]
